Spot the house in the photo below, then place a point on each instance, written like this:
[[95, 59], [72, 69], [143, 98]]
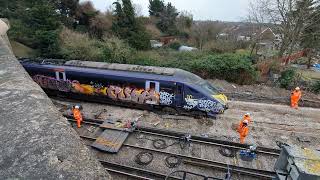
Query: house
[[267, 42]]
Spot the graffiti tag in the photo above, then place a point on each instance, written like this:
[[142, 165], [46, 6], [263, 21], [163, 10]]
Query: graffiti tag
[[166, 98]]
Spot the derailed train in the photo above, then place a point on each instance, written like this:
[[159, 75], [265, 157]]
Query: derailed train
[[174, 91]]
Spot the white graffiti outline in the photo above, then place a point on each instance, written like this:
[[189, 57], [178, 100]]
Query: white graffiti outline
[[203, 105], [166, 98]]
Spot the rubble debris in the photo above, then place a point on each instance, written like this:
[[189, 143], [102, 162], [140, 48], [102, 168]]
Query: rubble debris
[[99, 114], [156, 123], [303, 139]]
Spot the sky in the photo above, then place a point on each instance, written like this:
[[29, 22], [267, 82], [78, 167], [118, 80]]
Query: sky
[[224, 10]]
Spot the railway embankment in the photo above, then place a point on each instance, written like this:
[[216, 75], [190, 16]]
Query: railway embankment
[[36, 142]]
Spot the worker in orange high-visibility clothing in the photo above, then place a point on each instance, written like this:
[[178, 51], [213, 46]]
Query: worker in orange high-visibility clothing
[[77, 115], [243, 130], [245, 117], [295, 97]]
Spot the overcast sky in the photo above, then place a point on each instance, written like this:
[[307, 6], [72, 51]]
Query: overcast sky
[[226, 10]]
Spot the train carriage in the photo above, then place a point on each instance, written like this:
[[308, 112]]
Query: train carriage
[[172, 90]]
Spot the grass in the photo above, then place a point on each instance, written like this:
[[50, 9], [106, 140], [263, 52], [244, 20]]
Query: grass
[[21, 50], [310, 74]]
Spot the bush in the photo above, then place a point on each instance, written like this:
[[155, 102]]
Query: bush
[[231, 67], [174, 45], [315, 87], [287, 79], [139, 40], [116, 51], [221, 46], [76, 45]]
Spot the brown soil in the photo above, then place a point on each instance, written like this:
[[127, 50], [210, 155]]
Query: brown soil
[[263, 93]]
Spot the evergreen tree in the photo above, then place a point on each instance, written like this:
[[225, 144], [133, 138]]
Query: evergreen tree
[[34, 23], [127, 27], [156, 7], [168, 19], [310, 39]]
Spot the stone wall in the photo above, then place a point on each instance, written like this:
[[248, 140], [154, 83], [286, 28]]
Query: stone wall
[[36, 142]]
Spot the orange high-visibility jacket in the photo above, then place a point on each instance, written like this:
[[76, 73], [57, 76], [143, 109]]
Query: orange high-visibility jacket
[[295, 95], [244, 131], [77, 114]]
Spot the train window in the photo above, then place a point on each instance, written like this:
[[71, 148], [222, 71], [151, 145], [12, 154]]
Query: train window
[[153, 85], [61, 76], [194, 91]]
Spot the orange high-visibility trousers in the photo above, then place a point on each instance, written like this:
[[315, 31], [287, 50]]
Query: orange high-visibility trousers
[[77, 116], [243, 132], [242, 139]]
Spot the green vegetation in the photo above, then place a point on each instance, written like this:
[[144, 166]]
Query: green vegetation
[[71, 29], [127, 27], [36, 24], [232, 67], [315, 87], [21, 50], [287, 79]]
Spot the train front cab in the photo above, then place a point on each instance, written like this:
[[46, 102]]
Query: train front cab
[[197, 98]]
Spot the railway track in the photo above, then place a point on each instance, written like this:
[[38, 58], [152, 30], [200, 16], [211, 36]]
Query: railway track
[[195, 139], [186, 159], [133, 172]]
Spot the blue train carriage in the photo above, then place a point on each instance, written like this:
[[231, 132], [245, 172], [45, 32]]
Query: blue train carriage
[[174, 91]]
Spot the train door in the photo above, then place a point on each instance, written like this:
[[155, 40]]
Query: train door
[[179, 95], [153, 85], [61, 75], [154, 88]]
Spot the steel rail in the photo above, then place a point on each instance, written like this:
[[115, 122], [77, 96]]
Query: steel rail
[[208, 163], [127, 171], [197, 139]]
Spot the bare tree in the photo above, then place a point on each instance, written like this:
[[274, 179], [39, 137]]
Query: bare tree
[[287, 18], [256, 19], [204, 31]]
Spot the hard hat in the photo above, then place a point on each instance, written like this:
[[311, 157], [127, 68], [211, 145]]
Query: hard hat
[[247, 114], [245, 121], [297, 88], [77, 107]]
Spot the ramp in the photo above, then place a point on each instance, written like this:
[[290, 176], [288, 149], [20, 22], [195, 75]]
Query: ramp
[[110, 140]]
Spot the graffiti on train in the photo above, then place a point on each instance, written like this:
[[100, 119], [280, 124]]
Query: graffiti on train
[[202, 104], [137, 95], [166, 98], [52, 83]]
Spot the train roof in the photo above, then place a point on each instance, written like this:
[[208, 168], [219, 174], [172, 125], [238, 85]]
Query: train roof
[[123, 67], [127, 70]]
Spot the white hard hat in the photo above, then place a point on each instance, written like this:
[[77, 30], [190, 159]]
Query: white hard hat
[[246, 121], [77, 107], [297, 88], [247, 114]]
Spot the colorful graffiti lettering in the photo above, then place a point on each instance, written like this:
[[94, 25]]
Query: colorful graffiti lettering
[[166, 98], [136, 95], [52, 83]]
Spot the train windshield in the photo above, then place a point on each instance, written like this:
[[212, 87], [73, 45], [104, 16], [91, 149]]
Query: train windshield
[[209, 88], [189, 77], [192, 78]]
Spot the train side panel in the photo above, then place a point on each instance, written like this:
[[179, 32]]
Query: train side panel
[[81, 84], [108, 87]]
